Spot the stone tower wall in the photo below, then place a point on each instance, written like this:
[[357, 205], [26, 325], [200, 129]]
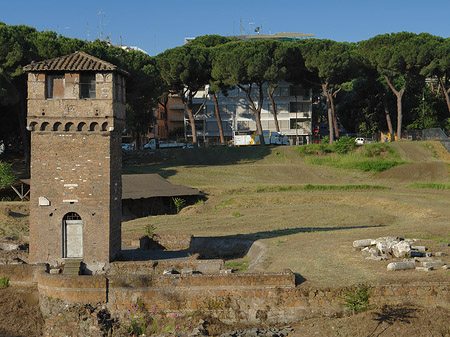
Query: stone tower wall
[[75, 167]]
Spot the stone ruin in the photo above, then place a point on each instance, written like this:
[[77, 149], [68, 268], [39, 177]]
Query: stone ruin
[[395, 248]]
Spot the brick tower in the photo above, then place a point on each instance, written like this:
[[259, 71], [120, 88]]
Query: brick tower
[[76, 113]]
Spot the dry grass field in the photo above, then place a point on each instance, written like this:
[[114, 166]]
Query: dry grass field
[[309, 232]]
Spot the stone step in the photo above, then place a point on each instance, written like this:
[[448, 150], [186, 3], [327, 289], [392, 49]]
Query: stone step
[[72, 267]]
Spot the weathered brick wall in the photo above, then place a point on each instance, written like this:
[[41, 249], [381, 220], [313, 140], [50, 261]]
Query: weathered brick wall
[[158, 267], [70, 167], [256, 298], [73, 289], [21, 274]]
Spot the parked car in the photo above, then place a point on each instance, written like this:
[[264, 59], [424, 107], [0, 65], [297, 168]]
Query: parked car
[[360, 141], [127, 146]]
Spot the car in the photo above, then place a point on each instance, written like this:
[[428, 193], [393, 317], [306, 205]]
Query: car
[[359, 141], [127, 146]]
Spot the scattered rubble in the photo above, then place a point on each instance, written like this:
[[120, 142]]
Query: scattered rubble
[[393, 247]]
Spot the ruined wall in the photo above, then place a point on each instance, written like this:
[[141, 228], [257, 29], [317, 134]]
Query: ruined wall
[[21, 274], [254, 298], [73, 289]]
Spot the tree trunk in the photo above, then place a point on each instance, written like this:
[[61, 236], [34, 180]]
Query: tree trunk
[[330, 115], [270, 90], [219, 119], [399, 95], [333, 114], [165, 117], [256, 110], [188, 106], [388, 118], [446, 93]]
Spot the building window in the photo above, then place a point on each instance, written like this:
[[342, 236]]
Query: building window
[[299, 107], [55, 86], [296, 90], [87, 85], [295, 124]]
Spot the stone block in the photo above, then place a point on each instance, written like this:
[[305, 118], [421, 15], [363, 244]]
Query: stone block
[[435, 264], [421, 249], [362, 243], [386, 239], [444, 244], [385, 247], [209, 267], [440, 254], [424, 268], [405, 265], [401, 249], [187, 270]]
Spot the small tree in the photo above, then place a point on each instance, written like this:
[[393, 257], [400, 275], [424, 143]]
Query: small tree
[[7, 176]]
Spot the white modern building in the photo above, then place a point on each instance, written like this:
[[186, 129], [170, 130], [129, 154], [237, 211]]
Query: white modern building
[[293, 105]]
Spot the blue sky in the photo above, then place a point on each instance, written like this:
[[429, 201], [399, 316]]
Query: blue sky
[[156, 25]]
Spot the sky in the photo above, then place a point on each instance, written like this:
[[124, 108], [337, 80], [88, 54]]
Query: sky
[[156, 25]]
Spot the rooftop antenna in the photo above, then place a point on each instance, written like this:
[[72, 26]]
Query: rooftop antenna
[[249, 28], [100, 26], [88, 35]]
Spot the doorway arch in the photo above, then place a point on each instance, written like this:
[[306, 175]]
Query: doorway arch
[[72, 226]]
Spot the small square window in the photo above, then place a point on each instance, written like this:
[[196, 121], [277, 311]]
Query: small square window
[[55, 86]]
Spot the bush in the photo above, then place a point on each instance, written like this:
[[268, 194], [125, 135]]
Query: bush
[[344, 145], [378, 149], [357, 300], [7, 176]]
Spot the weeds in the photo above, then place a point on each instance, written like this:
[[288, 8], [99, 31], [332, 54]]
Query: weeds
[[137, 323], [149, 230], [179, 203], [237, 214], [357, 300], [199, 202], [237, 266], [4, 282]]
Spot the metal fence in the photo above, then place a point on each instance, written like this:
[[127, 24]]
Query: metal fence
[[429, 134]]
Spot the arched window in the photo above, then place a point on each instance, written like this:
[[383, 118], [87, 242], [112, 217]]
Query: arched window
[[57, 126], [82, 126], [44, 126], [69, 127], [93, 127]]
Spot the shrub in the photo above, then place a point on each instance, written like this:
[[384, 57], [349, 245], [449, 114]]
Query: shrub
[[7, 176], [357, 300], [179, 203], [344, 145], [4, 282]]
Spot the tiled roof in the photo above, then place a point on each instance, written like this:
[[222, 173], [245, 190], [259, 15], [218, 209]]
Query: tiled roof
[[78, 61]]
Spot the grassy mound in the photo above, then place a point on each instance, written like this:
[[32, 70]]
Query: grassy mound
[[344, 154]]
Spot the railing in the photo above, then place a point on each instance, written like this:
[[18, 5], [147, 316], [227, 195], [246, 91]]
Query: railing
[[430, 134]]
